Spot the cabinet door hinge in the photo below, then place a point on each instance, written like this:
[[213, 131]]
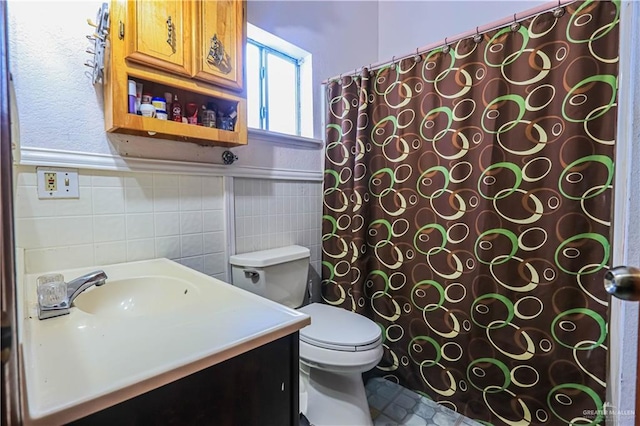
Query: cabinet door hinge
[[121, 30]]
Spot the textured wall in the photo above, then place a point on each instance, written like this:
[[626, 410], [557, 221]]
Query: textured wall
[[406, 25], [59, 108]]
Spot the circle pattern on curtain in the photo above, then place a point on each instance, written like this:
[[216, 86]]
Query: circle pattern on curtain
[[467, 210]]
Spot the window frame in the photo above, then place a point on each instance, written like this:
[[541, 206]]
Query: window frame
[[263, 52]]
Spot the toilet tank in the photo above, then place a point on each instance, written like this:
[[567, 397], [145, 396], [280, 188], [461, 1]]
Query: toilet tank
[[278, 274]]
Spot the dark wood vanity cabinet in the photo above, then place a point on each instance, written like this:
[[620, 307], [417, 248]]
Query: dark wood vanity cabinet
[[259, 387]]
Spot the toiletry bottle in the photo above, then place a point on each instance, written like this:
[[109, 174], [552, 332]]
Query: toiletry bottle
[[208, 116], [191, 110], [169, 99], [132, 97], [138, 97], [176, 109]]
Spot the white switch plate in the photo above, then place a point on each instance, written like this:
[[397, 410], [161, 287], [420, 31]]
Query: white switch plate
[[66, 183]]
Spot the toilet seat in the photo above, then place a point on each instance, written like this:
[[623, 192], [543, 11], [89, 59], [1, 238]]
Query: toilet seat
[[337, 329]]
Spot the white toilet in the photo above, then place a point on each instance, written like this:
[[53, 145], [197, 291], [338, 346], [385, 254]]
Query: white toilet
[[335, 349]]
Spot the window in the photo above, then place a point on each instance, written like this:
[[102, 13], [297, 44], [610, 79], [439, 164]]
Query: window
[[273, 89], [277, 74]]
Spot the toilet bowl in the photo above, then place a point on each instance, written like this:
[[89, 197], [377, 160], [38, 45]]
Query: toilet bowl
[[335, 349]]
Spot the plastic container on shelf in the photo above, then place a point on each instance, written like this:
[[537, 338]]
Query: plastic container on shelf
[[159, 103], [208, 117], [147, 110]]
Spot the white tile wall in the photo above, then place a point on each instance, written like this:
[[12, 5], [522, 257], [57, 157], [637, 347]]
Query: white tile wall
[[276, 213], [122, 217]]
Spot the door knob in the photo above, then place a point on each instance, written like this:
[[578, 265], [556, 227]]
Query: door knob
[[623, 282]]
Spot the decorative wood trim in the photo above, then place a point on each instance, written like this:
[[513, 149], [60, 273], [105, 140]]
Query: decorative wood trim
[[168, 129], [82, 160], [156, 63], [185, 30], [234, 80]]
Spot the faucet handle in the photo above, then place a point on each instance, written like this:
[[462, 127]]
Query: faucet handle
[[51, 289]]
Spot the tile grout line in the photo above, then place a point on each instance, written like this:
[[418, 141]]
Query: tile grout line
[[392, 399], [457, 417]]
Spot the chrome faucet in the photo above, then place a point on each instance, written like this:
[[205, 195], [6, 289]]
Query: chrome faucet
[[74, 288]]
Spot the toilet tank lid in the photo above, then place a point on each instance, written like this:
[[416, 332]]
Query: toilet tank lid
[[260, 259]]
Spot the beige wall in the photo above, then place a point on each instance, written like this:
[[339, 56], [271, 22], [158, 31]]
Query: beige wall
[[405, 25]]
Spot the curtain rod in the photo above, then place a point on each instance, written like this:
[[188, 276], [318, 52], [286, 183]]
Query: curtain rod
[[517, 17]]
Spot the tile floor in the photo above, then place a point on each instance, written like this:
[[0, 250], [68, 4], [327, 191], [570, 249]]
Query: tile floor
[[393, 405]]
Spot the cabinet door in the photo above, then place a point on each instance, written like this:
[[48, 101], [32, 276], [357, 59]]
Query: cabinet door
[[259, 387], [161, 34], [220, 42]]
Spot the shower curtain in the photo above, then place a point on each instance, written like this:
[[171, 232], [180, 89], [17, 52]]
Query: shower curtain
[[467, 206]]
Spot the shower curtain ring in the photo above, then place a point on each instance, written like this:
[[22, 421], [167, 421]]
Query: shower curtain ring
[[417, 57], [445, 48], [393, 62], [557, 13], [516, 25], [477, 38]]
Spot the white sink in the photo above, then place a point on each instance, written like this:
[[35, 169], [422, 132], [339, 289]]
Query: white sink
[[138, 296], [151, 323]]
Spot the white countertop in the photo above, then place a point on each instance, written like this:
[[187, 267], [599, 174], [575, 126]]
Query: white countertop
[[80, 363]]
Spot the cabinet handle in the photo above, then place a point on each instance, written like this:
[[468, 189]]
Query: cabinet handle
[[216, 51], [170, 34]]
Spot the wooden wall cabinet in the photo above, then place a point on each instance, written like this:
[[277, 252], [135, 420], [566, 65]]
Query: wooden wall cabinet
[[160, 34], [216, 24], [168, 46]]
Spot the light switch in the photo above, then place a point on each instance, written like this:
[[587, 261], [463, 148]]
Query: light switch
[[54, 182]]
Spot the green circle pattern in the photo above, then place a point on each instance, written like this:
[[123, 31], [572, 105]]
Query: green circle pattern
[[439, 260]]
